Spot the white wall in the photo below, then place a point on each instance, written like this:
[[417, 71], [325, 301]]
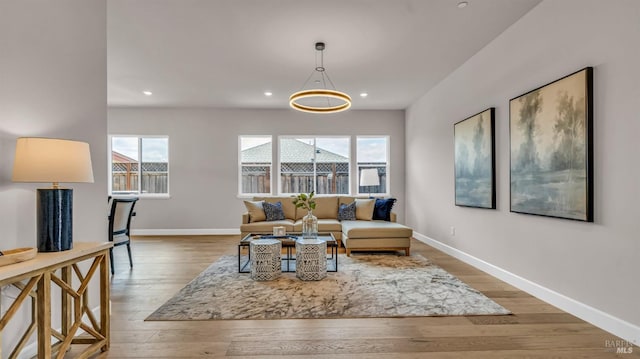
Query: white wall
[[52, 84], [203, 156], [594, 263]]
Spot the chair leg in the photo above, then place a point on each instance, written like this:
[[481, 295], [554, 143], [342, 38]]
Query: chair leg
[[129, 251], [111, 259]]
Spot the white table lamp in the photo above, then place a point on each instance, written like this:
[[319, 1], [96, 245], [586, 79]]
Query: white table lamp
[[369, 177], [54, 161]]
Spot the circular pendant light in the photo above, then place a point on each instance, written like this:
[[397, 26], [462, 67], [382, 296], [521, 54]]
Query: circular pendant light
[[323, 100]]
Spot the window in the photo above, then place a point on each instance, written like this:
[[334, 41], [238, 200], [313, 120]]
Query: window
[[319, 164], [373, 164], [313, 163], [255, 164], [139, 165]]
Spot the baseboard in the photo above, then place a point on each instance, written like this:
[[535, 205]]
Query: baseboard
[[605, 321], [185, 232]]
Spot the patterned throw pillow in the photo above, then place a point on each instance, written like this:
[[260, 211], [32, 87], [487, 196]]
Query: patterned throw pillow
[[347, 212], [382, 209], [273, 211]]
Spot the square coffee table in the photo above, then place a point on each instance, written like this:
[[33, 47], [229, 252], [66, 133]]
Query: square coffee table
[[289, 245]]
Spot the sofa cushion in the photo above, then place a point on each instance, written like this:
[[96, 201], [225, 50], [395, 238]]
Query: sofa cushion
[[364, 209], [266, 227], [326, 207], [346, 200], [324, 225], [347, 212], [273, 211], [375, 229], [329, 225], [256, 212], [382, 208], [288, 207]]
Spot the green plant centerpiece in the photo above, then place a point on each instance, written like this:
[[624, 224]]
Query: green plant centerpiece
[[305, 201], [309, 221]]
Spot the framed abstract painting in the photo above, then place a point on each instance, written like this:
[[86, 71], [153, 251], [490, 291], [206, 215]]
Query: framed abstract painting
[[551, 137], [474, 162]]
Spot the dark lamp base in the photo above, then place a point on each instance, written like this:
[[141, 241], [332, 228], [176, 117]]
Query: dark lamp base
[[55, 221]]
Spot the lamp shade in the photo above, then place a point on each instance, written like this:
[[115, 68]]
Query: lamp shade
[[369, 177], [52, 160]]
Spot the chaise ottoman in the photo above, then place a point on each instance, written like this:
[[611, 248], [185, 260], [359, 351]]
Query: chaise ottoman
[[375, 236]]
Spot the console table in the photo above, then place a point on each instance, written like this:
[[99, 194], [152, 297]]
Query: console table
[[34, 279]]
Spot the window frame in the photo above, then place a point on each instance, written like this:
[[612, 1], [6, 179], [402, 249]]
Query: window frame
[[387, 169], [249, 195], [139, 193]]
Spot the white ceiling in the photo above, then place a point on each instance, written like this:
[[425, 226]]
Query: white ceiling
[[226, 53]]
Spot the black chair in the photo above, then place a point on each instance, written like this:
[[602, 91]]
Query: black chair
[[120, 224]]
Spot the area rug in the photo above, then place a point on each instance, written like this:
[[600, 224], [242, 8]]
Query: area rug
[[366, 286]]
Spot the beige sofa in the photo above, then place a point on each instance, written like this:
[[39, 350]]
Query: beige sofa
[[362, 234]]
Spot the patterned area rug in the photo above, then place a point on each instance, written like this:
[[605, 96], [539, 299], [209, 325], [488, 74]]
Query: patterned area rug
[[366, 285]]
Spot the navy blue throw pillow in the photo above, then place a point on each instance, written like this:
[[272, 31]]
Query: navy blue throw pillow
[[273, 211], [382, 209], [347, 212]]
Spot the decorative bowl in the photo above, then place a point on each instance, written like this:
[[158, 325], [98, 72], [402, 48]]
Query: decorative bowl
[[17, 255]]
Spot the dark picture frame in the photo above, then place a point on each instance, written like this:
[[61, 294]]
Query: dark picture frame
[[551, 149], [474, 160]]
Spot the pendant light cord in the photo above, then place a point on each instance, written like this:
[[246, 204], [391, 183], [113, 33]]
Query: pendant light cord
[[323, 73]]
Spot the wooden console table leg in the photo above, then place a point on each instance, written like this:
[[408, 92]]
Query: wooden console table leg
[[66, 302], [43, 295], [105, 303]]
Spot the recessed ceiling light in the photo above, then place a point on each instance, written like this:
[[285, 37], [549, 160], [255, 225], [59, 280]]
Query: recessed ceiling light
[[462, 4], [364, 94], [148, 93], [268, 93]]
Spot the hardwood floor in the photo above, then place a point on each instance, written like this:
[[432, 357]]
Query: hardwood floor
[[163, 265]]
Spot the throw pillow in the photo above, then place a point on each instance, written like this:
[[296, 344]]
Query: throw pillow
[[382, 208], [347, 212], [256, 212], [273, 211], [364, 209]]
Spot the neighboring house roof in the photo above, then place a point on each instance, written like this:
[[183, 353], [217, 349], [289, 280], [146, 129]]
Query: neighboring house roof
[[292, 151], [120, 158]]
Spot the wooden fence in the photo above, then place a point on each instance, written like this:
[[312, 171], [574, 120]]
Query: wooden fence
[[256, 183], [303, 183], [255, 180], [152, 182]]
